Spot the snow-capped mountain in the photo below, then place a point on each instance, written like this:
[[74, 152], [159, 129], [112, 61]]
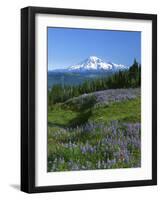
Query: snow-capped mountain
[[94, 63]]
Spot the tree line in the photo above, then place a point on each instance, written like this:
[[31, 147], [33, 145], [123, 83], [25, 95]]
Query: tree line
[[130, 78]]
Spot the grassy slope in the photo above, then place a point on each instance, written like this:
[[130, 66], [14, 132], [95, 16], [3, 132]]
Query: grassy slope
[[60, 117], [128, 111]]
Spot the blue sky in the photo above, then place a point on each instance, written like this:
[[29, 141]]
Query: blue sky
[[67, 46]]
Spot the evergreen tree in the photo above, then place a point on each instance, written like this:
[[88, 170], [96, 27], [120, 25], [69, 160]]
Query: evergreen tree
[[122, 79]]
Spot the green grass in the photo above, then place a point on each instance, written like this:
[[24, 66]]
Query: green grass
[[64, 128], [60, 116], [125, 111]]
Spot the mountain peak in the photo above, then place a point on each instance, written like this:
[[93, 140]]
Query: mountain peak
[[93, 58], [95, 63]]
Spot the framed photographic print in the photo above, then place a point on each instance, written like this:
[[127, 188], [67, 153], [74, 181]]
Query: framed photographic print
[[88, 99]]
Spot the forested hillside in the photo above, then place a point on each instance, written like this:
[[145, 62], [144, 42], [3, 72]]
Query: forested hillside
[[130, 78]]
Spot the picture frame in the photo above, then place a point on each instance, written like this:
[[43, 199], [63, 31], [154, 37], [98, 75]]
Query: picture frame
[[29, 59]]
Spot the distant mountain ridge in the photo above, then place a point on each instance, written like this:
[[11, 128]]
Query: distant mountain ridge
[[94, 64]]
